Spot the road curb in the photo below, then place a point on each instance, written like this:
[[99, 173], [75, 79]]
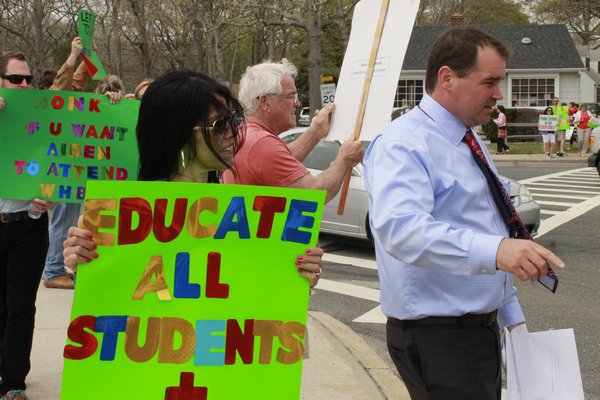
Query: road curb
[[539, 158], [388, 382]]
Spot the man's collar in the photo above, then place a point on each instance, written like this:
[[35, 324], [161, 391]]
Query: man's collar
[[448, 123]]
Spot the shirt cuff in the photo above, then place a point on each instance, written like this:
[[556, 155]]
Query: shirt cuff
[[510, 314], [483, 254]]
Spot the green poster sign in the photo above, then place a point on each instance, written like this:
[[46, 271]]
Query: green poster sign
[[53, 142], [563, 117], [194, 295], [86, 21]]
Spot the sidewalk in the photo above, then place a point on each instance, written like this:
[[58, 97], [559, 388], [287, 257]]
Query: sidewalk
[[341, 364], [570, 157]]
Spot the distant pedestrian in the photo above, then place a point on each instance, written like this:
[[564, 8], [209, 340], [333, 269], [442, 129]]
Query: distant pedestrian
[[573, 108], [502, 133], [548, 136], [582, 121], [562, 111]]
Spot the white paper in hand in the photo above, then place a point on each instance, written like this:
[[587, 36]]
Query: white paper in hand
[[542, 365]]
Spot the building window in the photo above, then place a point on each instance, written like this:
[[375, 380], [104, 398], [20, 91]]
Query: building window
[[408, 93], [597, 93], [532, 92]]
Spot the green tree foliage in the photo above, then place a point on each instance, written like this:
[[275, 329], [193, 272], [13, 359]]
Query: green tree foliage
[[581, 16], [475, 12], [142, 38]]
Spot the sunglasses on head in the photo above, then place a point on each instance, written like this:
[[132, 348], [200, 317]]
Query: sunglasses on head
[[16, 79]]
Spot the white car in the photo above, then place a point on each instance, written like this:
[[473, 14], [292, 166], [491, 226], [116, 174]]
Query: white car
[[355, 220], [304, 118], [594, 160]]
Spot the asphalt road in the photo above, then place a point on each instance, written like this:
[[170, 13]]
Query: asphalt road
[[576, 304], [577, 301]]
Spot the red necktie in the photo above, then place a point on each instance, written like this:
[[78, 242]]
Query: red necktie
[[505, 205]]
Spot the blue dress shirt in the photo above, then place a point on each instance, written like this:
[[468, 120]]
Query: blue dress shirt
[[435, 225]]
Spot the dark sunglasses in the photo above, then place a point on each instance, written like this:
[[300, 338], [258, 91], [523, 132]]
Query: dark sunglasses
[[16, 79], [222, 124]]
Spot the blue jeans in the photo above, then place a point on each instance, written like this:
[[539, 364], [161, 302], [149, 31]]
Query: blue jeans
[[64, 216]]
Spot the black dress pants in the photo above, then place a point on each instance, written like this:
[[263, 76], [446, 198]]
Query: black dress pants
[[449, 362], [23, 248]]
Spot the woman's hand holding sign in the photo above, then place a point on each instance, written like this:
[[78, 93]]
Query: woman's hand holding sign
[[309, 265], [79, 247]]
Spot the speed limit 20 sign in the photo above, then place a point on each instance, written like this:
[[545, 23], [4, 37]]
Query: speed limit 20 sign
[[328, 93]]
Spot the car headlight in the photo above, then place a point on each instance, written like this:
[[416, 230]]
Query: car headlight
[[525, 194]]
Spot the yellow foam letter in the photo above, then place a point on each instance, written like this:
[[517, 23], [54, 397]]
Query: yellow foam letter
[[148, 350], [93, 221], [154, 268], [167, 353]]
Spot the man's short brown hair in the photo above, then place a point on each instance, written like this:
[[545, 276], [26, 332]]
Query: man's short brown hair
[[5, 57], [457, 49]]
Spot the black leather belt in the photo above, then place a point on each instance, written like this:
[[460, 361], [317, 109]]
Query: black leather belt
[[464, 320], [14, 217]]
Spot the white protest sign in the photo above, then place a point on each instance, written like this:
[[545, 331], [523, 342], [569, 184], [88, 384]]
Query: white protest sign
[[327, 93], [392, 48], [548, 122]]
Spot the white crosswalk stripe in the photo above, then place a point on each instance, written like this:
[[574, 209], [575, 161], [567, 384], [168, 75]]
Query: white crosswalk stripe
[[357, 262], [553, 203], [349, 290], [549, 191], [539, 190], [550, 212], [562, 197]]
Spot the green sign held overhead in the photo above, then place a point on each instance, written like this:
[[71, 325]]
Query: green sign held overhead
[[53, 142], [194, 295], [85, 26]]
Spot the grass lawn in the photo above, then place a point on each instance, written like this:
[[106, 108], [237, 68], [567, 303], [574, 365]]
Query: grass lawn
[[520, 147]]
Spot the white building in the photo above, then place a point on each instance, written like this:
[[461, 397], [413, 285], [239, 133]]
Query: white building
[[544, 63]]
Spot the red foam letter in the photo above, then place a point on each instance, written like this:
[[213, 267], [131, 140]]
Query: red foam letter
[[163, 233], [127, 234], [240, 342], [215, 289], [77, 334], [267, 206]]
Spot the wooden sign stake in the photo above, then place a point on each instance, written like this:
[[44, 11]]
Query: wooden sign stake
[[364, 97]]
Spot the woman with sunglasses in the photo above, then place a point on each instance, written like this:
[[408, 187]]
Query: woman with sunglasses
[[188, 129]]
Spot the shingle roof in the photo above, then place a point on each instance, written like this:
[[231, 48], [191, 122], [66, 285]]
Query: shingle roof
[[551, 46]]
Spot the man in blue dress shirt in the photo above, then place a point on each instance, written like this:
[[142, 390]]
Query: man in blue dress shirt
[[446, 264]]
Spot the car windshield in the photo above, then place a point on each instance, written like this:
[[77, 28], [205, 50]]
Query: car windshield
[[324, 153]]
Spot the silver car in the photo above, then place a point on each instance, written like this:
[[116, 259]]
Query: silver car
[[594, 159], [304, 117], [355, 222]]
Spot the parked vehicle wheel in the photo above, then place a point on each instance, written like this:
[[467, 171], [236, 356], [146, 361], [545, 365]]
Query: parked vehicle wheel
[[368, 229]]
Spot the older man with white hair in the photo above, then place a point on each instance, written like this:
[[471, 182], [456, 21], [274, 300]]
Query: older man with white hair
[[269, 95]]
